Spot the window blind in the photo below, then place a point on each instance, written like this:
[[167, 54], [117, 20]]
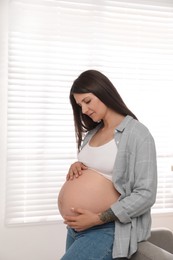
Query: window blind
[[50, 43]]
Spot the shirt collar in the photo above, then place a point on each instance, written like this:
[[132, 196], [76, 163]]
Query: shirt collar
[[123, 124]]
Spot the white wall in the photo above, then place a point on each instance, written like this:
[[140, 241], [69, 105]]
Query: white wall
[[162, 220], [34, 242]]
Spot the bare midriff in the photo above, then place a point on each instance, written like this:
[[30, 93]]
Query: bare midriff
[[90, 191]]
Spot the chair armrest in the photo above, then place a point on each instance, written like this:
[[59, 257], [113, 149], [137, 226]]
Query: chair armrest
[[162, 237], [148, 251]]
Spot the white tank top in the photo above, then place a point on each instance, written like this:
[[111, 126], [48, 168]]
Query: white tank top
[[100, 158]]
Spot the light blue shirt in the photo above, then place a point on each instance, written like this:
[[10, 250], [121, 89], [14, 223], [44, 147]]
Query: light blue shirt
[[135, 178]]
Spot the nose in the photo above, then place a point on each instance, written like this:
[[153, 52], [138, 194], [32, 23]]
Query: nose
[[84, 108]]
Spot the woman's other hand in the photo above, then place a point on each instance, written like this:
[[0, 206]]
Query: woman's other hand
[[75, 170], [83, 219]]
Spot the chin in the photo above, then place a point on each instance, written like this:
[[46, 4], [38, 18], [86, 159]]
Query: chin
[[95, 119]]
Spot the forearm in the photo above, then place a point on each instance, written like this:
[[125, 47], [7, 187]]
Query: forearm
[[107, 216]]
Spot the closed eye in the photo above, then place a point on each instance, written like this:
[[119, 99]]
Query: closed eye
[[87, 102]]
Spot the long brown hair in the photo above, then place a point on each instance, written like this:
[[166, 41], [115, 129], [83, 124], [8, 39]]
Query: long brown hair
[[93, 81]]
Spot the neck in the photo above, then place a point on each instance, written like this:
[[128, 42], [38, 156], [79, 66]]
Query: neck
[[112, 120]]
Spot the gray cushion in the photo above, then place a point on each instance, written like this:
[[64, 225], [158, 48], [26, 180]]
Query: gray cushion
[[149, 251], [162, 237]]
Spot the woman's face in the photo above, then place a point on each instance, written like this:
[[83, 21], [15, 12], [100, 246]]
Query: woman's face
[[91, 106]]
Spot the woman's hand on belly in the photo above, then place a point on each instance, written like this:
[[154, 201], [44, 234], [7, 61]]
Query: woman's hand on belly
[[83, 219], [75, 170]]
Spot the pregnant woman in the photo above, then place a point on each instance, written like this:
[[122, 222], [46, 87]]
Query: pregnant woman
[[109, 191]]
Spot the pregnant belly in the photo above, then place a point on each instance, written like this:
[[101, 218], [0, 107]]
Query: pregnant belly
[[90, 191]]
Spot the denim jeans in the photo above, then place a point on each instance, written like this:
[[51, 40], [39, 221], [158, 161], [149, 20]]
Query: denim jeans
[[92, 244]]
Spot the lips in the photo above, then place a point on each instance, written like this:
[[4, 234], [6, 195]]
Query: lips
[[91, 114]]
